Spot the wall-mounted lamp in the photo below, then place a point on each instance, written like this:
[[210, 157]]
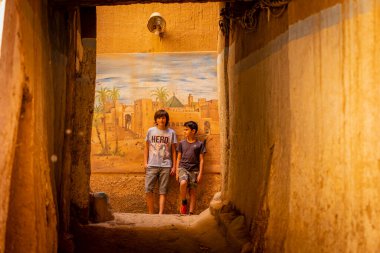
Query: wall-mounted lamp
[[156, 24]]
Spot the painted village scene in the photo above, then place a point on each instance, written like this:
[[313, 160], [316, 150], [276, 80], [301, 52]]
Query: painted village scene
[[130, 88]]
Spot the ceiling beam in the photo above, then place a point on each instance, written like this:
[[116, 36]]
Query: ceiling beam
[[124, 2]]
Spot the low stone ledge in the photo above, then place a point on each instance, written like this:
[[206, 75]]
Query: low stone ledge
[[100, 209], [231, 223]]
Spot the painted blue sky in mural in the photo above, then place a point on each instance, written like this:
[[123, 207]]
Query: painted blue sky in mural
[[137, 75]]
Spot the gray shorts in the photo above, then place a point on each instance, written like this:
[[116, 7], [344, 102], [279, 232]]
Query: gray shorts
[[189, 176], [157, 173]]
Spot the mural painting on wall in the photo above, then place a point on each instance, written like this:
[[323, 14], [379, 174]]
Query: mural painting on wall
[[131, 87]]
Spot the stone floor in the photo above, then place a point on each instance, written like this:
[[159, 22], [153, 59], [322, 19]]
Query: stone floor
[[135, 233]]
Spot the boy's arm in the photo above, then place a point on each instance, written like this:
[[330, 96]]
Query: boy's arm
[[199, 179], [177, 169], [174, 156], [146, 154]]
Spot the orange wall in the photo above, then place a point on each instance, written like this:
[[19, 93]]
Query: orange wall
[[303, 158], [190, 27]]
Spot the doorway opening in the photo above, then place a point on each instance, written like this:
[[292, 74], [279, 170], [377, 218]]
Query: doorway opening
[[138, 73]]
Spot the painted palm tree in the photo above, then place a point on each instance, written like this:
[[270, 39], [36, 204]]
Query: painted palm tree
[[96, 123], [161, 95], [103, 95], [115, 95]]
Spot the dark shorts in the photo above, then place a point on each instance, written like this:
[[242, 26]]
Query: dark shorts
[[159, 174], [189, 176]]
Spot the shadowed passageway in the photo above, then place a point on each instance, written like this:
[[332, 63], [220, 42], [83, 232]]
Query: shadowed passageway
[[137, 233]]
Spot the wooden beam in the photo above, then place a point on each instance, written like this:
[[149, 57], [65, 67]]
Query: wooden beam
[[88, 21], [124, 2]]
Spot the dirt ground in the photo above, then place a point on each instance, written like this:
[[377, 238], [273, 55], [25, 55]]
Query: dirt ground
[[140, 233], [127, 194]]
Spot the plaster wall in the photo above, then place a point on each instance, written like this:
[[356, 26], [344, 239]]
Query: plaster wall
[[301, 158], [189, 27], [31, 109], [84, 96]]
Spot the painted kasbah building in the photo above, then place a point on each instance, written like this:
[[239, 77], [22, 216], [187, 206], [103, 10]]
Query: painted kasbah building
[[204, 112], [133, 121]]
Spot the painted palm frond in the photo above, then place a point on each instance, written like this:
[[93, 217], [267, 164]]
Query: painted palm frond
[[160, 94]]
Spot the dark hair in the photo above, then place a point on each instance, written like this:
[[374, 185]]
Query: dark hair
[[192, 125], [162, 113]]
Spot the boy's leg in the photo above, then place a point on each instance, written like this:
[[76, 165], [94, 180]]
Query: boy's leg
[[193, 199], [162, 203], [193, 190], [150, 180], [183, 189], [163, 182], [150, 202], [183, 177]]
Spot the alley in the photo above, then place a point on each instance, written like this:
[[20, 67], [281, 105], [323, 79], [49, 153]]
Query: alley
[[295, 155]]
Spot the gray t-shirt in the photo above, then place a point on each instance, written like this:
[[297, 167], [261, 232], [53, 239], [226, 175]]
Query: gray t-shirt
[[160, 147], [190, 153]]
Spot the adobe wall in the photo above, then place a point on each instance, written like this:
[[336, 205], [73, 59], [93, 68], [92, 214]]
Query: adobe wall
[[47, 103], [189, 27], [300, 120], [32, 116]]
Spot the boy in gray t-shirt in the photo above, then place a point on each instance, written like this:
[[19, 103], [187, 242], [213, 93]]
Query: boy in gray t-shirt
[[159, 158]]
